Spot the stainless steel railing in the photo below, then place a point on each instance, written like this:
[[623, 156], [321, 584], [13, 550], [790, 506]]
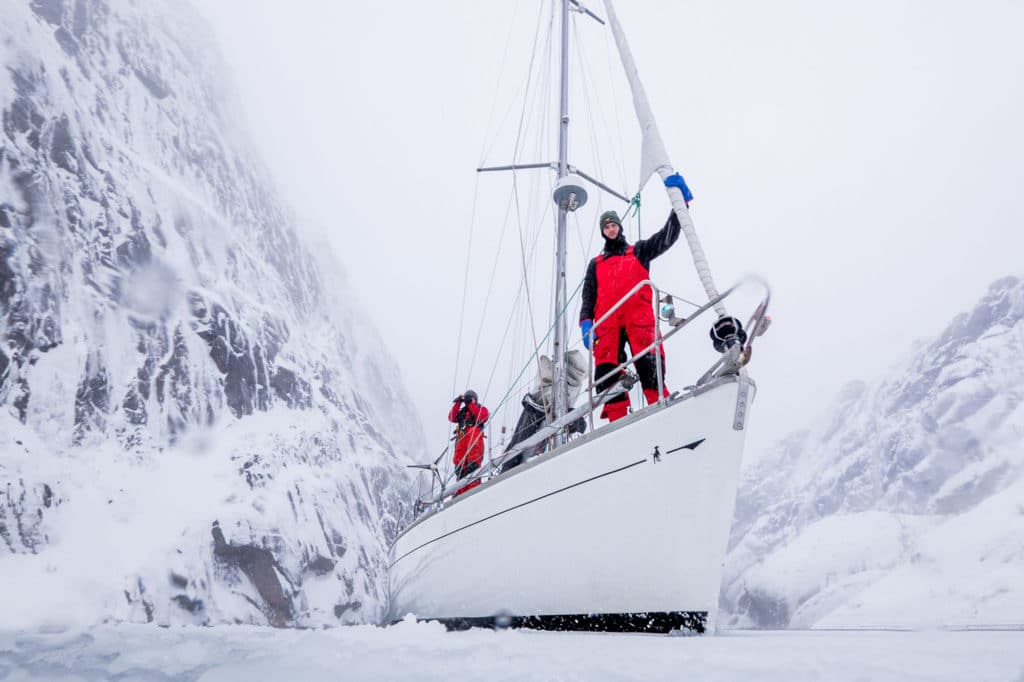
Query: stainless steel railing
[[730, 362]]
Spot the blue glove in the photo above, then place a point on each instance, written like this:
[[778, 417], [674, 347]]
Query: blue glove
[[676, 180], [586, 327]]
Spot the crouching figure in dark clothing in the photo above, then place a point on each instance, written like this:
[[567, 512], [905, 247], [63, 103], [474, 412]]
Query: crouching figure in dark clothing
[[469, 417], [538, 406]]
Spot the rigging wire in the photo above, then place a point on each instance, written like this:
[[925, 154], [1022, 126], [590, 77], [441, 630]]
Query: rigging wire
[[526, 273], [465, 287], [465, 283], [483, 155], [484, 150], [516, 301], [523, 313], [505, 338], [490, 289], [526, 98], [476, 189], [537, 98], [524, 88], [536, 350], [611, 49], [518, 213], [588, 106], [535, 355], [584, 250], [592, 102], [517, 321], [516, 306], [534, 100], [593, 134]]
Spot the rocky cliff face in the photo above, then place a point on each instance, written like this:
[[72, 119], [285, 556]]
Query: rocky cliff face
[[908, 494], [196, 425]]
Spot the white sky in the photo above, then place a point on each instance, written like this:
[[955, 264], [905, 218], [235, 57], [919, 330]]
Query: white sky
[[866, 158]]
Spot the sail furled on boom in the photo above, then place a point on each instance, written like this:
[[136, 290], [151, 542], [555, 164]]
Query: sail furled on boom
[[654, 158]]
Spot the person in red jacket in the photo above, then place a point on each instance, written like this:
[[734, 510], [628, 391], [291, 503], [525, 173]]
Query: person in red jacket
[[610, 276], [469, 417]]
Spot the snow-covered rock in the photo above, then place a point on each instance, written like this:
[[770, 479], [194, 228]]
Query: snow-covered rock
[[195, 424], [906, 505]]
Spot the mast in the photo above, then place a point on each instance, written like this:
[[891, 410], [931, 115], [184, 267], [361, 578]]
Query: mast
[[559, 379], [569, 195]]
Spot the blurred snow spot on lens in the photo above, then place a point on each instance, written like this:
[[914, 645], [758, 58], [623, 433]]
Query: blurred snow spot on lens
[[153, 290]]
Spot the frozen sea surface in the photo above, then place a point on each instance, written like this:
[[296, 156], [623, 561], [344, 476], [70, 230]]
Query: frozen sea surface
[[424, 651]]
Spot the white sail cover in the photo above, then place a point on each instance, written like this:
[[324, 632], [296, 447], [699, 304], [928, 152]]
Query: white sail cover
[[653, 157]]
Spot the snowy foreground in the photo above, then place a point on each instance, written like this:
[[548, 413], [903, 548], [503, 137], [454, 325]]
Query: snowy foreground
[[424, 651]]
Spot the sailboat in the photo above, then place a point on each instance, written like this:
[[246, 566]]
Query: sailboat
[[620, 528]]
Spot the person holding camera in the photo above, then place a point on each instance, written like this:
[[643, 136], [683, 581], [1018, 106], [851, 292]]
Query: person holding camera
[[469, 417]]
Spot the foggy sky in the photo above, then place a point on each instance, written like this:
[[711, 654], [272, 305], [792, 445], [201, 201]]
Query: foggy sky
[[866, 158]]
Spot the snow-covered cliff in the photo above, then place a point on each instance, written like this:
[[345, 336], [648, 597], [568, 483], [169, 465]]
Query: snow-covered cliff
[[904, 507], [195, 424]]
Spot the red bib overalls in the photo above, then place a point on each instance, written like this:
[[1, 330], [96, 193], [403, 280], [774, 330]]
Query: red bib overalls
[[616, 276]]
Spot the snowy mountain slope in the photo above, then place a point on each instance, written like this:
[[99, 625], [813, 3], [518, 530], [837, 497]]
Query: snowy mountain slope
[[195, 425], [906, 507]]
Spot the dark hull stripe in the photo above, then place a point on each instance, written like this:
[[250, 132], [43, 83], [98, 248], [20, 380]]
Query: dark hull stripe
[[689, 446], [693, 622], [521, 504]]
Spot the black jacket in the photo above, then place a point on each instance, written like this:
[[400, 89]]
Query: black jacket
[[645, 251]]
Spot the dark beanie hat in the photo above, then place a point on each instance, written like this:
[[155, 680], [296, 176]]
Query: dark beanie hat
[[609, 217]]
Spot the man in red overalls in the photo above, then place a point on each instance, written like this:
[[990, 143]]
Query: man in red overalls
[[469, 416], [609, 277]]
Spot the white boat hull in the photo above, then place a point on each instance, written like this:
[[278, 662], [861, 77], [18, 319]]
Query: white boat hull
[[600, 534]]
